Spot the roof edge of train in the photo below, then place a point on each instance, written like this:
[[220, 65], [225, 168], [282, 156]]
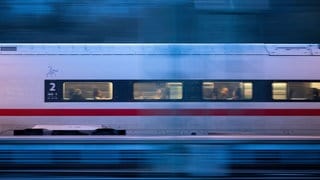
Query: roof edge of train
[[159, 49]]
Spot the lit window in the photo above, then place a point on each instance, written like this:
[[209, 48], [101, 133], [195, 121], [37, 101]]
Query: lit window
[[295, 91], [157, 91], [279, 91], [87, 91], [227, 90]]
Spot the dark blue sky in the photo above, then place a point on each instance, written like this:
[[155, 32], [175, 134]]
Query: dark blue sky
[[199, 21]]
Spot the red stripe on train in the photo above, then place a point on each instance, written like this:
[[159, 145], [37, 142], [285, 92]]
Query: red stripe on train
[[159, 112]]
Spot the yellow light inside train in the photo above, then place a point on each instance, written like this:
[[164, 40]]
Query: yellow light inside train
[[279, 91], [220, 90], [315, 85], [158, 90], [87, 91], [247, 90]]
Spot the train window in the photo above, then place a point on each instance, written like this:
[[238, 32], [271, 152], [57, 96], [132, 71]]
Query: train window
[[87, 91], [157, 91], [226, 90], [295, 91], [279, 91]]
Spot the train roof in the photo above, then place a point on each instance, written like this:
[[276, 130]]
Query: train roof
[[161, 49]]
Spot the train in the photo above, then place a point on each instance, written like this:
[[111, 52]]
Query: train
[[162, 89]]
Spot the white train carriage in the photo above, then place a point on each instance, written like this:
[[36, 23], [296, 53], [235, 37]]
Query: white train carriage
[[163, 89]]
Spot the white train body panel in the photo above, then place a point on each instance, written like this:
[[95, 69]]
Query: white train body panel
[[24, 71]]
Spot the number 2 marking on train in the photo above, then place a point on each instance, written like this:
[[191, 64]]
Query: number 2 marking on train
[[53, 87]]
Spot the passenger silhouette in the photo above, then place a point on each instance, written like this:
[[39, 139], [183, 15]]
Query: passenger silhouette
[[77, 95], [315, 94], [97, 94], [214, 93], [237, 94], [224, 92]]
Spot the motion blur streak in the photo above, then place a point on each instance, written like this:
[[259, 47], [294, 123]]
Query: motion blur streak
[[267, 21], [207, 157]]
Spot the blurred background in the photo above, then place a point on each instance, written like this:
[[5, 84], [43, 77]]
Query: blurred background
[[198, 21]]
